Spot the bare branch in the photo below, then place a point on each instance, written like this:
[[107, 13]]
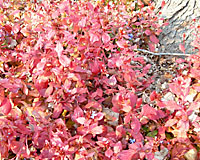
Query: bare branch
[[161, 54]]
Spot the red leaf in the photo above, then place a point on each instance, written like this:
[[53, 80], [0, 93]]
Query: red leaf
[[163, 4], [153, 95], [81, 99], [139, 102], [154, 39], [6, 106], [4, 146], [105, 38]]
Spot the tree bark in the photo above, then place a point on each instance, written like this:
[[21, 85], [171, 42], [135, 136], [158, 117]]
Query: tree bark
[[180, 15]]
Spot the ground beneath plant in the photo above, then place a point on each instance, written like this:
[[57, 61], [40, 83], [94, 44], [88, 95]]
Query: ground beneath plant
[[163, 69]]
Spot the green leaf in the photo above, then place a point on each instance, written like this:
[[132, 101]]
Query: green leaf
[[152, 134], [169, 135], [145, 129]]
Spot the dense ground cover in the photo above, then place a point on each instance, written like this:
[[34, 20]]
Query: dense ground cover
[[70, 78]]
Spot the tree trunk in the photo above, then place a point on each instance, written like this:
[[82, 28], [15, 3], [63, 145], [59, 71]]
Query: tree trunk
[[180, 14]]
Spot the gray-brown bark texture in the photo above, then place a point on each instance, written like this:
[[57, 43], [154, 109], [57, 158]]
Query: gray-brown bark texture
[[180, 14]]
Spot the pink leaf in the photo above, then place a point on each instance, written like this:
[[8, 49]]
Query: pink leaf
[[93, 37], [25, 88], [126, 154], [6, 106], [182, 47], [67, 84], [133, 99], [105, 38], [171, 122], [117, 147], [97, 130], [109, 153], [78, 112], [120, 131], [127, 118], [57, 110], [95, 68], [55, 14], [193, 106], [112, 81], [183, 125], [126, 108], [16, 146], [64, 60], [82, 22], [48, 91], [139, 102], [93, 104], [59, 49], [80, 120], [135, 125], [151, 47], [154, 39], [172, 105], [16, 28], [147, 32], [149, 112], [41, 64], [121, 44]]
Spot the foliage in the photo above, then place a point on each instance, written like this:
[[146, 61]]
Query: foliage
[[69, 85]]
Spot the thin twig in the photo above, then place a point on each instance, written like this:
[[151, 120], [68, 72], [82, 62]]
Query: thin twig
[[161, 54]]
